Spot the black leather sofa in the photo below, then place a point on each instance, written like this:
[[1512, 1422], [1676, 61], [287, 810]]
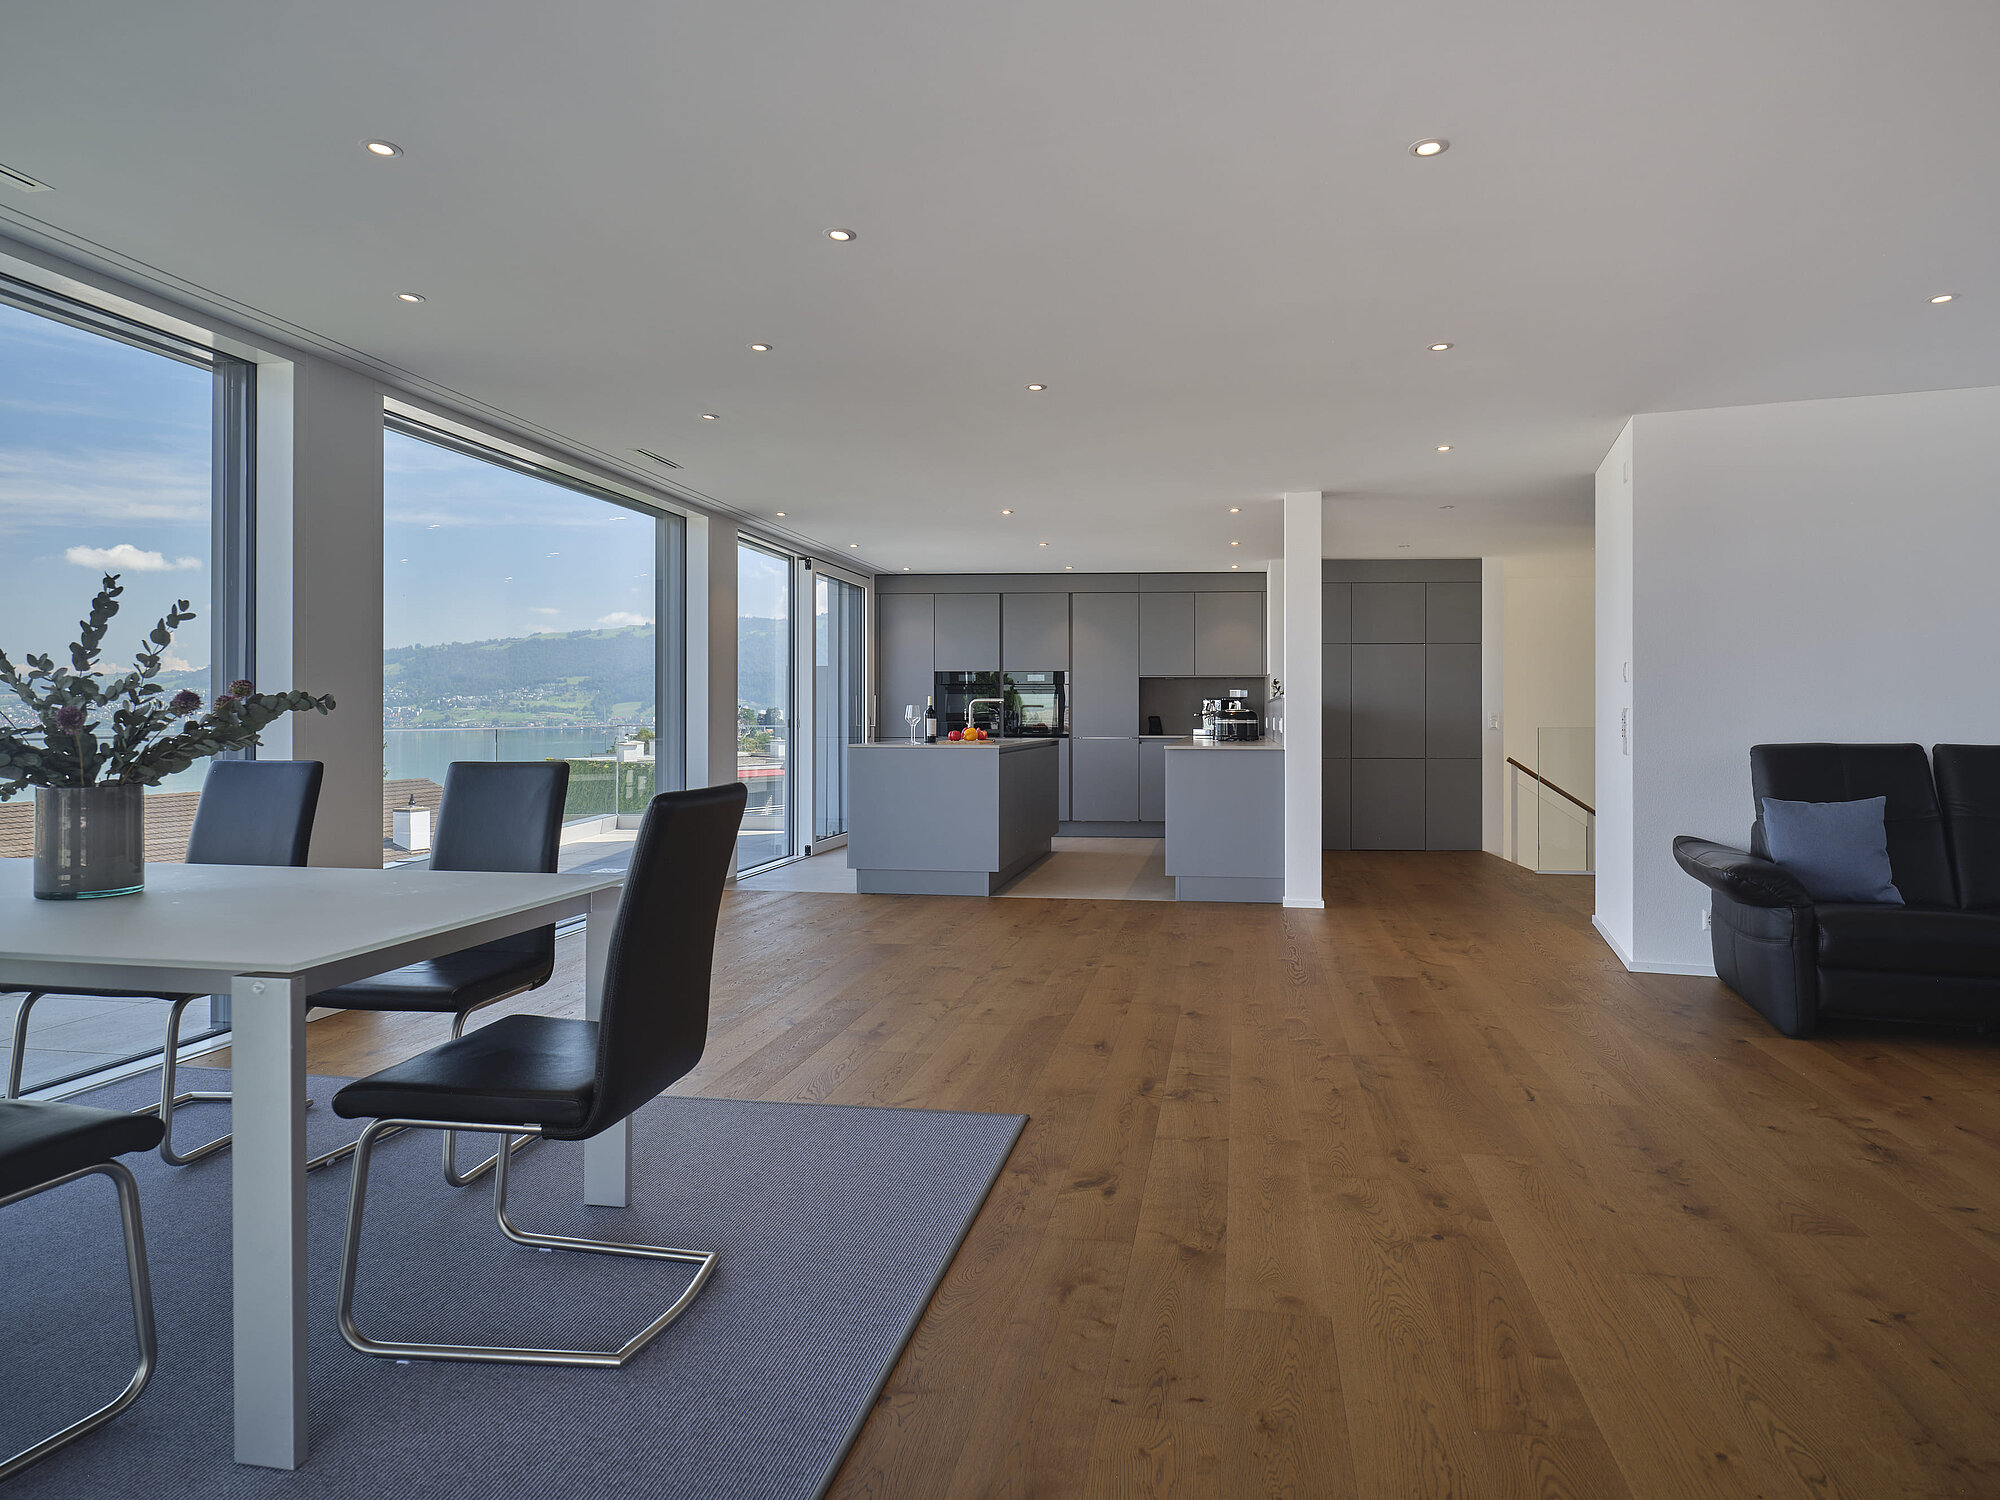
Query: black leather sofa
[[1934, 959]]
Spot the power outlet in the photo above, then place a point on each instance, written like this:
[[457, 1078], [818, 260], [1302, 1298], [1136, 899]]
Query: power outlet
[[1707, 920]]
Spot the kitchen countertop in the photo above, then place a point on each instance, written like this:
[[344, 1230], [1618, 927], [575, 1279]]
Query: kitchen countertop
[[957, 745], [1189, 742]]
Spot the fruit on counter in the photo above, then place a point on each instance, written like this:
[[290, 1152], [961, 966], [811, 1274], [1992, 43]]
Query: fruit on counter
[[956, 735]]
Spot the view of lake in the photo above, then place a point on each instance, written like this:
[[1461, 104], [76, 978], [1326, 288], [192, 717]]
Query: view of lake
[[426, 752]]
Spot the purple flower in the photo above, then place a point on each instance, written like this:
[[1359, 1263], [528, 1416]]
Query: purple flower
[[224, 704], [186, 701], [242, 687], [68, 718]]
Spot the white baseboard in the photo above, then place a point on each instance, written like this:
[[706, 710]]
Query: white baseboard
[[1305, 905], [1632, 965]]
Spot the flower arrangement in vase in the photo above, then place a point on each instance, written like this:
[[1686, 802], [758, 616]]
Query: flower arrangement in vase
[[96, 742]]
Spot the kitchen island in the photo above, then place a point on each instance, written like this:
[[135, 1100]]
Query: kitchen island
[[948, 819], [1226, 819]]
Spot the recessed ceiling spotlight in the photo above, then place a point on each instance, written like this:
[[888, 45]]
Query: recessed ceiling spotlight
[[1444, 447], [852, 545], [1447, 507], [382, 148], [1235, 544], [843, 235], [1439, 348], [709, 416], [1006, 512], [1404, 545], [1236, 510], [781, 514], [1037, 387], [761, 348], [409, 296], [1041, 544], [1944, 296], [1434, 146], [906, 567], [1069, 567]]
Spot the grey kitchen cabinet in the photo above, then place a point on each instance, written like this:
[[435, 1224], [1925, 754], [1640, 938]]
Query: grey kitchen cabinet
[[1228, 634], [1062, 781], [1451, 702], [1166, 635], [1336, 668], [1386, 705], [1388, 613], [1334, 804], [965, 633], [1451, 804], [1104, 665], [904, 670], [1153, 780], [1104, 779], [1336, 613], [1387, 809], [1034, 632], [1451, 613]]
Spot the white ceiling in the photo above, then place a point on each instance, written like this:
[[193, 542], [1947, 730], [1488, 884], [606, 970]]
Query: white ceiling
[[1198, 223]]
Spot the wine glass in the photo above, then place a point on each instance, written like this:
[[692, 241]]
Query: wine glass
[[912, 718]]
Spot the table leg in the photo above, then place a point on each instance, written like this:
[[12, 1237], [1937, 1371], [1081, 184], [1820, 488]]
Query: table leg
[[607, 1157], [268, 1223]]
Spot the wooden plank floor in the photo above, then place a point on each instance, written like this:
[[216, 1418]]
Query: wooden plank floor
[[1419, 1195]]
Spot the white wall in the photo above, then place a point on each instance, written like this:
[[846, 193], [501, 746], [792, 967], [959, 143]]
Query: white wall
[[1817, 570], [1548, 648], [1614, 584]]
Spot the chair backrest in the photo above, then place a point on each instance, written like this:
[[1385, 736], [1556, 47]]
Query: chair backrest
[[1918, 861], [654, 1022], [255, 812], [504, 816], [1968, 780]]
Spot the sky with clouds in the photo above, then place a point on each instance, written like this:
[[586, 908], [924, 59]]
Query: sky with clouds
[[104, 467]]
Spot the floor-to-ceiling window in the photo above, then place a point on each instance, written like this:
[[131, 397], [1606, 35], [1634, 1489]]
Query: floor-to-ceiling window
[[840, 687], [525, 616], [764, 696], [123, 450]]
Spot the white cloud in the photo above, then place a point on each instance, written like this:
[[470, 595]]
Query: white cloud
[[542, 609], [128, 559], [620, 619]]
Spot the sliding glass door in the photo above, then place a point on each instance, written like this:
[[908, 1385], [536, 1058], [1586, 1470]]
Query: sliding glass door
[[840, 697], [764, 699]]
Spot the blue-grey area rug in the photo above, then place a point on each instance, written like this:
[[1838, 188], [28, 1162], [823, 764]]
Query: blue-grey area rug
[[834, 1225]]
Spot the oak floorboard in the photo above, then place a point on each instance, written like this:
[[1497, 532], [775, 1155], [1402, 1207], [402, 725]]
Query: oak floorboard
[[1419, 1194]]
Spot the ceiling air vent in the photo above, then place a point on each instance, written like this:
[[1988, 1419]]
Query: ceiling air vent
[[22, 181], [657, 458]]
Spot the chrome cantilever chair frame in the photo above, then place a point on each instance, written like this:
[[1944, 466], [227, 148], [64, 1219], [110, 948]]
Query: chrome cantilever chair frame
[[142, 1311], [490, 1353], [169, 1070]]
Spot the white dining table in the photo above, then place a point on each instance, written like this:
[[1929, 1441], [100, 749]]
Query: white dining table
[[269, 938]]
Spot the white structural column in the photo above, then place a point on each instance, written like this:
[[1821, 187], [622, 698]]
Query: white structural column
[[319, 588], [1300, 674], [268, 1219]]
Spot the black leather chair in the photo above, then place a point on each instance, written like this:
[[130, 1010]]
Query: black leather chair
[[252, 812], [568, 1080], [1936, 958], [496, 816], [44, 1146]]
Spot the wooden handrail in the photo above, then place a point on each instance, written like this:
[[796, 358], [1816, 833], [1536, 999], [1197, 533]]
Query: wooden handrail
[[1552, 786]]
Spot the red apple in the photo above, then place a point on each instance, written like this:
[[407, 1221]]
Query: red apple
[[956, 734]]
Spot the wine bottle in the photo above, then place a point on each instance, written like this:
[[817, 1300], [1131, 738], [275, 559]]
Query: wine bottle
[[930, 719]]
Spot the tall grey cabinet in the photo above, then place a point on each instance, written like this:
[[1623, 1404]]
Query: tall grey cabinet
[[1400, 703]]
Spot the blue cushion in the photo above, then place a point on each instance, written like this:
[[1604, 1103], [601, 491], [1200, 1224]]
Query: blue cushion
[[1838, 850]]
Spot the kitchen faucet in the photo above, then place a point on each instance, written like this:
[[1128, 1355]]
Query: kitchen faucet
[[972, 718]]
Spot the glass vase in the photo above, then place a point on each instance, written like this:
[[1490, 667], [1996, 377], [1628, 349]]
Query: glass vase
[[90, 841]]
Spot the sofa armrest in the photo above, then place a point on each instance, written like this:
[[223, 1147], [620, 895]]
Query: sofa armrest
[[1740, 876]]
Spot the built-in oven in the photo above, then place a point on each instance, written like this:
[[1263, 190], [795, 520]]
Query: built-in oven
[[1015, 705]]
